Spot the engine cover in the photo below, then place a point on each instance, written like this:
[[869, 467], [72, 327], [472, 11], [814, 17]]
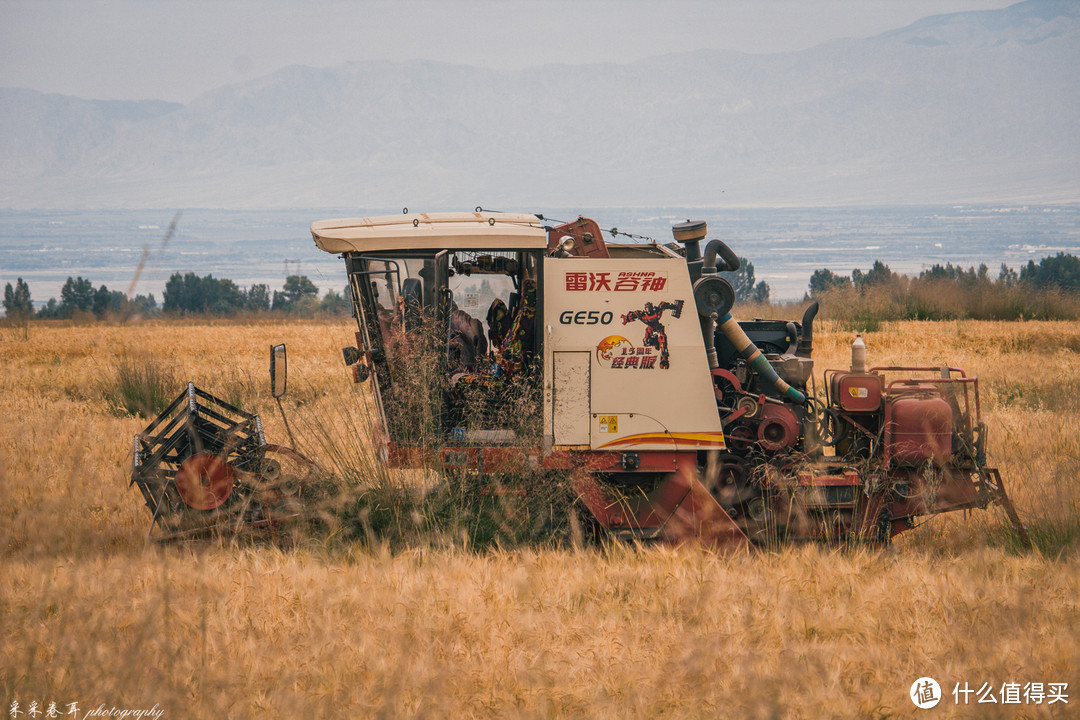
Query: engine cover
[[793, 370]]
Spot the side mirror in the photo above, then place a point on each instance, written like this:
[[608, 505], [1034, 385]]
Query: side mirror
[[279, 370]]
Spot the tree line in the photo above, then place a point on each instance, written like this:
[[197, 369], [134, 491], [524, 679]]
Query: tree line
[[941, 292], [185, 294], [1048, 290], [1059, 272]]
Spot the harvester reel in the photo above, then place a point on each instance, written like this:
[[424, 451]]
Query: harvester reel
[[204, 468]]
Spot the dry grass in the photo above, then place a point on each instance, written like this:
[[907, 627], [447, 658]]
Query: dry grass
[[90, 613]]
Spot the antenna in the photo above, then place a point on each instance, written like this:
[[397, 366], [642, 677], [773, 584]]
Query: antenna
[[296, 262]]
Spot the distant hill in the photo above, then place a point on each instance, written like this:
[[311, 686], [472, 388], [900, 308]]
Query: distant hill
[[967, 107]]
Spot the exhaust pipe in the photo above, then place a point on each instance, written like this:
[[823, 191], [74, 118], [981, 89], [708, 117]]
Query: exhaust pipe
[[713, 296], [806, 340], [690, 234]]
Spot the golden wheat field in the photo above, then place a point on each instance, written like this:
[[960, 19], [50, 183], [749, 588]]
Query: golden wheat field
[[93, 614]]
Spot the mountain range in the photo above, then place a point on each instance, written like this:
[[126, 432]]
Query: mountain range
[[960, 108]]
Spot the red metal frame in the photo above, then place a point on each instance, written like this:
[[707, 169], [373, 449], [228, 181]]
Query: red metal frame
[[678, 509]]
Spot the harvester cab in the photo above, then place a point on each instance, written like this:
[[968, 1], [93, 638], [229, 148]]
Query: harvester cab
[[495, 342]]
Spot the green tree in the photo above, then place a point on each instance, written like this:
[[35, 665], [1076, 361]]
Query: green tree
[[50, 310], [298, 287], [258, 298], [17, 303], [224, 297], [334, 304], [968, 279], [1060, 271], [824, 280], [77, 295], [177, 290], [1007, 277], [761, 292], [298, 294], [191, 294], [879, 274], [108, 302], [142, 305]]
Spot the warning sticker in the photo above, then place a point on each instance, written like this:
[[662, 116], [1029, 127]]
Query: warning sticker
[[609, 424], [858, 392]]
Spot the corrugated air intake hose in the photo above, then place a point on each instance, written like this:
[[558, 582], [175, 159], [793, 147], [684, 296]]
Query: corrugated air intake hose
[[756, 358]]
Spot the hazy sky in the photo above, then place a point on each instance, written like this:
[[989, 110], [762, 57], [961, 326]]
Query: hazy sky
[[137, 49]]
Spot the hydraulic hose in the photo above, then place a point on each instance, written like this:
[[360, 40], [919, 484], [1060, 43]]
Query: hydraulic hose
[[756, 358]]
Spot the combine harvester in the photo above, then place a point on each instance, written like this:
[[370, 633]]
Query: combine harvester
[[673, 419]]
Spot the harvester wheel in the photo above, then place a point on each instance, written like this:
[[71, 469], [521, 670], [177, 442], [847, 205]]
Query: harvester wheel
[[741, 437], [732, 484], [276, 489], [287, 470]]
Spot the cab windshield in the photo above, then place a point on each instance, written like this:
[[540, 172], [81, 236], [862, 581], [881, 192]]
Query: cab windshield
[[445, 328]]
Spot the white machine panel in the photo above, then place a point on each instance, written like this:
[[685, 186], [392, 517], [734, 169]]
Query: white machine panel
[[650, 387], [570, 398]]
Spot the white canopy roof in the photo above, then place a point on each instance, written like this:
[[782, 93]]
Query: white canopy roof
[[480, 230]]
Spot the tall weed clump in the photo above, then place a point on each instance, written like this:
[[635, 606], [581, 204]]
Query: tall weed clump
[[855, 311], [440, 422], [139, 385], [1039, 452]]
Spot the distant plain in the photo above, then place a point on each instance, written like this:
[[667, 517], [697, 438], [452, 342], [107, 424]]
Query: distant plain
[[785, 244]]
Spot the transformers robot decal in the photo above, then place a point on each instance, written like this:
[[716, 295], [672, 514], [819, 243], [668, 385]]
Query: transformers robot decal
[[655, 333]]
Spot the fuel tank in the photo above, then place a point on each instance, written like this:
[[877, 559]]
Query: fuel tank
[[919, 428]]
